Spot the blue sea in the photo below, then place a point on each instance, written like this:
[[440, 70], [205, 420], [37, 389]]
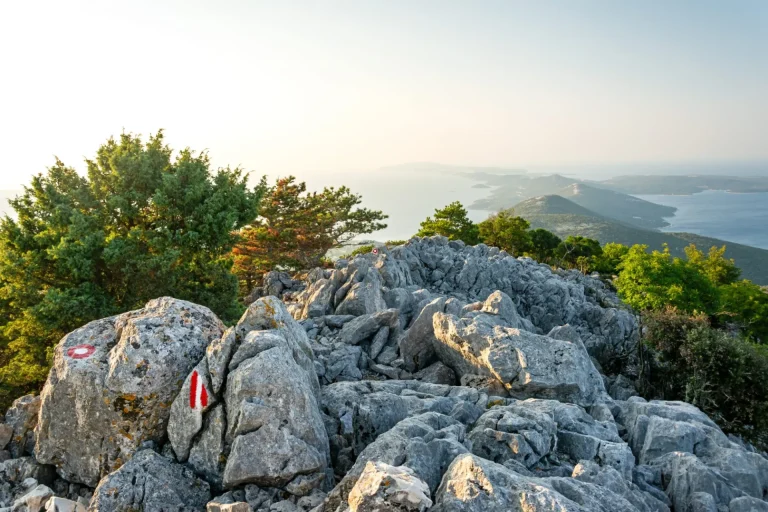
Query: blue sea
[[740, 218]]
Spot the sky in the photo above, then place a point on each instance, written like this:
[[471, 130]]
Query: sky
[[311, 87]]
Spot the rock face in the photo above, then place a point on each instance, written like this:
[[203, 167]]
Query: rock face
[[383, 488], [268, 427], [112, 385], [432, 376], [149, 481]]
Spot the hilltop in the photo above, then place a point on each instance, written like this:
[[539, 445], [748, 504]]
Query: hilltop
[[622, 207], [564, 217]]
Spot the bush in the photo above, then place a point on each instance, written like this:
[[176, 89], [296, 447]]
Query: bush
[[725, 376], [655, 280], [363, 249], [453, 223], [140, 225], [507, 232], [745, 305]]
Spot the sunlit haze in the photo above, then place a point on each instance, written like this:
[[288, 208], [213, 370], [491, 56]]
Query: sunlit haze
[[307, 87]]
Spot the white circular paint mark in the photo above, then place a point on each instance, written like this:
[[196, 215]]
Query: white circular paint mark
[[80, 351]]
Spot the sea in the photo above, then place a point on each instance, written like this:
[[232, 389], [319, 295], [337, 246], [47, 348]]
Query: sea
[[740, 218], [407, 197]]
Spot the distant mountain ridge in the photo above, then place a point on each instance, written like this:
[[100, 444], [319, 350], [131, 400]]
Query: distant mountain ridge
[[564, 218]]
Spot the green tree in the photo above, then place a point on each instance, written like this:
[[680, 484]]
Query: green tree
[[507, 232], [295, 229], [746, 304], [714, 265], [543, 244], [142, 224], [608, 262], [578, 251], [653, 281], [451, 222], [724, 375]]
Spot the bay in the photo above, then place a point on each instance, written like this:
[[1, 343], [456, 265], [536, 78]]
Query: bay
[[740, 218]]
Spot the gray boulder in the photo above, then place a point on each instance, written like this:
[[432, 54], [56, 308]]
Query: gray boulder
[[273, 423], [528, 365], [436, 373], [20, 421], [149, 481], [385, 488], [426, 444], [113, 382], [516, 432], [364, 297], [474, 484], [417, 344]]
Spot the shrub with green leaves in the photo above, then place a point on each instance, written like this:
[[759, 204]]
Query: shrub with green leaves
[[140, 225], [453, 223], [722, 374]]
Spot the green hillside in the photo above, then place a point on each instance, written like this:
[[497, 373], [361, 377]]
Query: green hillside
[[626, 208], [622, 207], [637, 184], [564, 217]]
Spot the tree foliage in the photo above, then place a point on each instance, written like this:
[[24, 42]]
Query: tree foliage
[[140, 225], [723, 375], [451, 222], [745, 304], [543, 244], [608, 262], [655, 280], [578, 252], [507, 232], [718, 269], [295, 228]]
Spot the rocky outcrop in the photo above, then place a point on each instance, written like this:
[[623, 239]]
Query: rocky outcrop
[[112, 385], [268, 426], [385, 488], [432, 376], [149, 481]]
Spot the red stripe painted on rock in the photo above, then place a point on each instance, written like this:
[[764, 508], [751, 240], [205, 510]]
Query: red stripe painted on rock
[[193, 391]]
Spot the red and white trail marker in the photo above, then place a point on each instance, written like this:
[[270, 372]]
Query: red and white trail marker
[[375, 251], [81, 351], [198, 395]]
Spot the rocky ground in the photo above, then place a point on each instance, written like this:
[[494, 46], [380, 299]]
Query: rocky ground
[[433, 376]]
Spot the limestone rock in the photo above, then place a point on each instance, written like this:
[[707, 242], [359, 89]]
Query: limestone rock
[[364, 297], [149, 481], [273, 422], [383, 488], [426, 443], [56, 504], [33, 500], [473, 484], [21, 418], [113, 382], [417, 344], [528, 365], [436, 373], [514, 432]]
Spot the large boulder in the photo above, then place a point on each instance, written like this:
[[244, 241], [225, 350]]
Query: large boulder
[[417, 346], [113, 382], [274, 424], [363, 297], [385, 488], [149, 481], [526, 364], [20, 422], [261, 422], [426, 444], [474, 484]]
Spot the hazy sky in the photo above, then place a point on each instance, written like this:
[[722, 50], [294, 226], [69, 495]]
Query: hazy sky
[[285, 86]]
